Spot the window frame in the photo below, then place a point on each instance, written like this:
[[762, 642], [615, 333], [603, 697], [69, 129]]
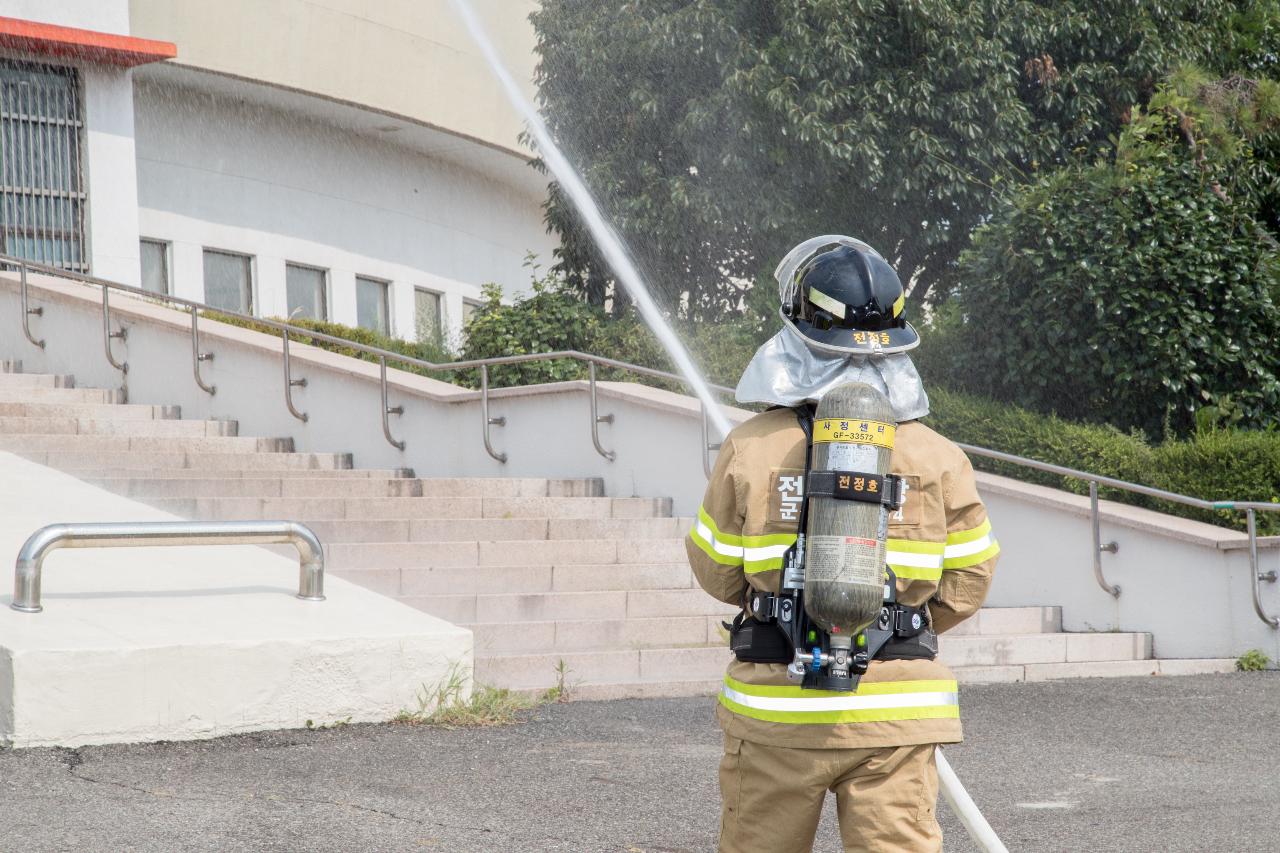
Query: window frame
[[387, 301], [326, 295], [253, 278], [441, 322], [167, 246]]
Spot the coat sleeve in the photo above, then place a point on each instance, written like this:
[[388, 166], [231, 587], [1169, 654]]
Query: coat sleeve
[[971, 549], [714, 543]]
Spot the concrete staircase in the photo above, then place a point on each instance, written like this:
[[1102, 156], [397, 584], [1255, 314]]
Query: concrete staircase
[[559, 583]]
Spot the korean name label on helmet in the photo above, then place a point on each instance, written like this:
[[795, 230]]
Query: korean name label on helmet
[[834, 430]]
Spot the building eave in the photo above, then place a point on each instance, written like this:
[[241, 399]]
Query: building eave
[[53, 41]]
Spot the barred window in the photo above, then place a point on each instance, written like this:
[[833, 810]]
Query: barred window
[[41, 192]]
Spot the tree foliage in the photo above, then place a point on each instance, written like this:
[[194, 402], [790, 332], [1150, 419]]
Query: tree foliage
[[719, 133], [1138, 289]]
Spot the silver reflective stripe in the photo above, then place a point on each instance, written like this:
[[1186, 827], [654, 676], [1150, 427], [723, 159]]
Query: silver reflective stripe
[[841, 703], [719, 547], [764, 552], [964, 549], [910, 558]]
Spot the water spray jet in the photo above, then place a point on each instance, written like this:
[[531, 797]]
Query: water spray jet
[[608, 241]]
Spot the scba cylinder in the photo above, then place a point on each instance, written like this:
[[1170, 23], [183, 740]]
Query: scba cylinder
[[853, 433]]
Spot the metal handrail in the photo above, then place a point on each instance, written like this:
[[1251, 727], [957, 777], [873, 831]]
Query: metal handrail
[[132, 534], [1095, 480], [593, 361], [380, 354], [107, 335], [289, 382], [27, 312]]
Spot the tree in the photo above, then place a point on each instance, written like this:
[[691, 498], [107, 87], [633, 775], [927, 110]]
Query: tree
[[718, 133], [1139, 289]]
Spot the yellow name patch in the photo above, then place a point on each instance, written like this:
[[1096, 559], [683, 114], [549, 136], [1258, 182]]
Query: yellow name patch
[[854, 432]]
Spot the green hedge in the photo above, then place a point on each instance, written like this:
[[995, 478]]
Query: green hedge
[[431, 352], [1223, 464]]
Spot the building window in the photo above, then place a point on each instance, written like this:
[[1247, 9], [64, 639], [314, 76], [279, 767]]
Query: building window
[[469, 310], [372, 305], [41, 192], [428, 316], [305, 291], [155, 266], [228, 281]]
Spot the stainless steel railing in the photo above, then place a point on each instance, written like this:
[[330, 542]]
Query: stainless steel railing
[[1250, 508], [380, 355], [132, 534]]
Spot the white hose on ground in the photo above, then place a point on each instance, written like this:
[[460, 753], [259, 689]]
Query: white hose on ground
[[965, 809]]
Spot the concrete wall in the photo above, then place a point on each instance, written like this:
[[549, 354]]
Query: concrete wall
[[219, 169], [1187, 583], [409, 58]]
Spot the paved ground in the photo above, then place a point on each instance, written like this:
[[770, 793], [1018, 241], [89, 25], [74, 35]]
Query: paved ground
[[1154, 764]]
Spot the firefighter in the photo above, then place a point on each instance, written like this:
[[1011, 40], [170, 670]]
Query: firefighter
[[785, 746]]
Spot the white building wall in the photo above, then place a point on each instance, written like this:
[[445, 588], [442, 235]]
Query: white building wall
[[109, 170], [222, 172]]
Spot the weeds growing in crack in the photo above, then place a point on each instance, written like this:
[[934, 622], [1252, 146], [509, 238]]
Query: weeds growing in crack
[[445, 704]]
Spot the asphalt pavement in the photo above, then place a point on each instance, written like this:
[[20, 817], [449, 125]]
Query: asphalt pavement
[[1151, 764]]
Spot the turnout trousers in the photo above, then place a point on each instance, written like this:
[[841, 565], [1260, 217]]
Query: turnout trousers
[[773, 796]]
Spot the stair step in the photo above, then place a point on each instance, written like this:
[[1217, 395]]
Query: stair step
[[1093, 669], [129, 427], [570, 606], [253, 485], [648, 666], [143, 444], [90, 411], [40, 393], [576, 635], [36, 380], [333, 510], [344, 477], [961, 651], [150, 461], [512, 487], [1010, 620], [477, 580], [534, 552]]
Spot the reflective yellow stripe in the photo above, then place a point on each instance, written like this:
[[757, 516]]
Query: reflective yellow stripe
[[915, 560], [877, 702], [765, 553], [961, 536], [974, 559], [726, 538], [725, 549], [899, 304]]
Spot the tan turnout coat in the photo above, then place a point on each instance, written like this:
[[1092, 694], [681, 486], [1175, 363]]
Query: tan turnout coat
[[940, 546]]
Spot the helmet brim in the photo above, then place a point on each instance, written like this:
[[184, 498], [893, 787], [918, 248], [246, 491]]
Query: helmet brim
[[853, 341]]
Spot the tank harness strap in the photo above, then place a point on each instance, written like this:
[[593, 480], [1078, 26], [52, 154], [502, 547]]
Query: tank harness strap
[[887, 489]]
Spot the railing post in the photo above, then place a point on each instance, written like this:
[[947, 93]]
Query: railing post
[[707, 444], [197, 356], [107, 334], [1098, 547], [27, 312], [596, 418], [290, 383], [484, 414], [1256, 577], [387, 411]]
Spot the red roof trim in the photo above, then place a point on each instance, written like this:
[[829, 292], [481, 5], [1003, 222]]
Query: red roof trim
[[71, 43]]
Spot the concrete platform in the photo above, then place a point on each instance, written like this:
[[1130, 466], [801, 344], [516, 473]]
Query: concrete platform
[[175, 643]]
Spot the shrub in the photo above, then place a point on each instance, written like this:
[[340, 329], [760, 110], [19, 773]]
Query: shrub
[[425, 351], [1253, 660], [1133, 291]]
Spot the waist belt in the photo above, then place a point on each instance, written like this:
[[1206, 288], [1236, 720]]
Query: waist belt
[[902, 633]]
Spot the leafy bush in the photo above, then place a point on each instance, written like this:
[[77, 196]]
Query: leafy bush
[[424, 351], [1215, 464], [1253, 660], [1131, 292]]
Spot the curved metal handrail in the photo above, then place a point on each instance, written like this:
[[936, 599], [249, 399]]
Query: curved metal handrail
[[382, 355], [107, 334], [132, 534], [599, 361], [290, 383], [27, 312]]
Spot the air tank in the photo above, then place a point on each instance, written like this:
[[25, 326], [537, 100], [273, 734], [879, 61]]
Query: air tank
[[853, 432]]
